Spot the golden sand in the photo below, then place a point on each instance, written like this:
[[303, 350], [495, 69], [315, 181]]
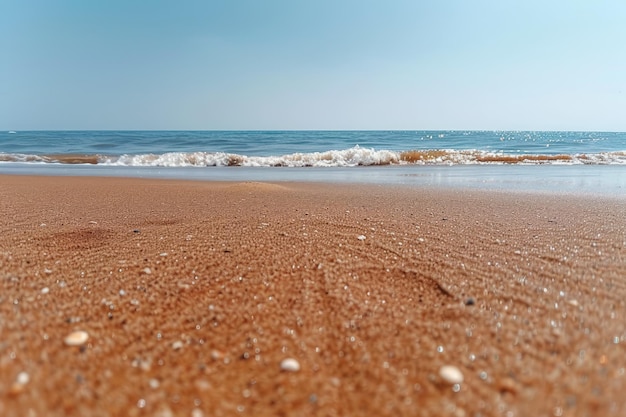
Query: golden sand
[[391, 301]]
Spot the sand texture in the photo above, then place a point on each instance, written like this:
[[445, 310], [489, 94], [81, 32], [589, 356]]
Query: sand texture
[[172, 298]]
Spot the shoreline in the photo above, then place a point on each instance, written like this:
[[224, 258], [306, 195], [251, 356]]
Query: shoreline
[[192, 293], [600, 181]]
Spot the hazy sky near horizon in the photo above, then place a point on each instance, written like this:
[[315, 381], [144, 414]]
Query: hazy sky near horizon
[[324, 64]]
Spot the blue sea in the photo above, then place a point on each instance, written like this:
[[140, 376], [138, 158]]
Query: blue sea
[[576, 162]]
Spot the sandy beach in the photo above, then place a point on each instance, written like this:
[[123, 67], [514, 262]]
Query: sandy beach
[[173, 298]]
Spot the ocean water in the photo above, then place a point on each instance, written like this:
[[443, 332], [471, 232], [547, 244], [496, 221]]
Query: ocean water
[[588, 162]]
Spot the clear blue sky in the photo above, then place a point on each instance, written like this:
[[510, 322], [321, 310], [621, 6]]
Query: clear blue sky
[[313, 64]]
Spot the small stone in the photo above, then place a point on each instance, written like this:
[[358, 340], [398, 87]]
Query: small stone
[[196, 412], [216, 355], [508, 385], [147, 271], [164, 411], [290, 365], [177, 345], [573, 303], [45, 290], [451, 374], [22, 378], [361, 237], [76, 338], [470, 301], [203, 385], [19, 384]]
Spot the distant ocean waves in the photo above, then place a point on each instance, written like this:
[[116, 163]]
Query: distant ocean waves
[[355, 156]]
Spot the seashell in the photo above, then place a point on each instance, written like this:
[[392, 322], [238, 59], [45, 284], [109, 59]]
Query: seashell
[[290, 365], [77, 338], [451, 374]]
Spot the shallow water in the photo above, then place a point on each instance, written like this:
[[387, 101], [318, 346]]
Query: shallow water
[[604, 180]]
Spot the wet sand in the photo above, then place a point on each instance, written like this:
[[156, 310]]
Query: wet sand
[[193, 293]]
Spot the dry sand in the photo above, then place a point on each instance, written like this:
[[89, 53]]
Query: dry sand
[[193, 293]]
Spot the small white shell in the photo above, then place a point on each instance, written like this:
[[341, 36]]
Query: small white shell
[[77, 338], [451, 374], [290, 365], [22, 378]]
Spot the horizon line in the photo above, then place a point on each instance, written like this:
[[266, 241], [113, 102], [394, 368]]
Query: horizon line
[[311, 130]]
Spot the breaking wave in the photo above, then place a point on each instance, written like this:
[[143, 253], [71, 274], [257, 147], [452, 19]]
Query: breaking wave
[[355, 156]]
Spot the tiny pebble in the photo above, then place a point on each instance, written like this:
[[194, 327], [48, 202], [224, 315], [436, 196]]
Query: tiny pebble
[[451, 374], [290, 365], [76, 338], [196, 412], [361, 237], [470, 302], [164, 411], [22, 378], [19, 384], [147, 271], [45, 290], [573, 303], [216, 355], [508, 385], [177, 345], [122, 293]]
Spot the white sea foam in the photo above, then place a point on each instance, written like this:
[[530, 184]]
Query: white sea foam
[[358, 156], [355, 156], [335, 158]]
